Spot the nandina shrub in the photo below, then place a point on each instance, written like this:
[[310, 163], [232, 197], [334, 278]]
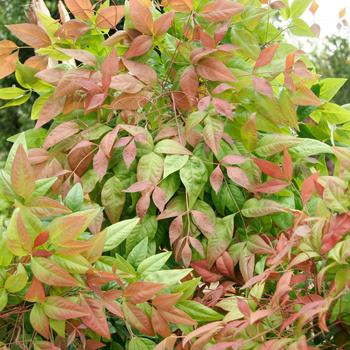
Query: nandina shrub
[[185, 186]]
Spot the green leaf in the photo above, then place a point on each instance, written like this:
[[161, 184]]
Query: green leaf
[[21, 140], [298, 7], [153, 263], [199, 312], [173, 163], [300, 28], [118, 232], [75, 198], [42, 186], [113, 198], [331, 113], [17, 102], [194, 176], [150, 168], [171, 147], [38, 105], [137, 343], [335, 196], [11, 93], [73, 264], [254, 208], [16, 282], [330, 87], [139, 253], [168, 277], [3, 299], [219, 241], [272, 144]]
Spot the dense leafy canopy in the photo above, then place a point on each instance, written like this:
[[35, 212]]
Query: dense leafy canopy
[[185, 185]]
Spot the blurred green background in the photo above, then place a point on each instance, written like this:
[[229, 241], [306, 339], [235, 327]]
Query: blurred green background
[[332, 60]]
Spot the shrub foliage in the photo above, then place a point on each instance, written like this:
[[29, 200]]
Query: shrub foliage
[[185, 185]]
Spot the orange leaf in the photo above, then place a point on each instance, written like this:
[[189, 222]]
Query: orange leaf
[[36, 292], [137, 318], [160, 326], [269, 168], [130, 101], [51, 109], [8, 64], [175, 315], [342, 12], [266, 56], [126, 83], [109, 17], [214, 70], [22, 175], [61, 132], [166, 301], [40, 321], [271, 186], [141, 71], [80, 8], [30, 34], [72, 29], [184, 6], [313, 7], [7, 47]]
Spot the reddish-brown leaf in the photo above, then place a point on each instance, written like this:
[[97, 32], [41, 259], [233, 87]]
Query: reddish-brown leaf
[[175, 229], [184, 6], [166, 301], [96, 318], [271, 186], [37, 62], [177, 316], [100, 163], [266, 56], [222, 107], [36, 292], [139, 46], [189, 83], [81, 56], [308, 187], [234, 159], [238, 176], [41, 239], [141, 71], [110, 67], [140, 292], [163, 23], [129, 153], [208, 274], [22, 174], [126, 83], [216, 179], [8, 64], [159, 198], [80, 8], [305, 97], [61, 132], [203, 222], [30, 34], [160, 326], [60, 308], [50, 273], [221, 10], [7, 47], [72, 29], [141, 17], [51, 109], [214, 70], [130, 102], [109, 17], [139, 186], [143, 204], [167, 343], [287, 165], [137, 318]]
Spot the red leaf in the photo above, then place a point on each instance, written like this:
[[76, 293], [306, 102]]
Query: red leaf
[[271, 186], [139, 186], [139, 46], [41, 239], [141, 17], [243, 307], [263, 86], [203, 222], [269, 168], [110, 67], [214, 70], [266, 56], [308, 187], [163, 23], [216, 179], [94, 101], [129, 153], [287, 165], [238, 176], [221, 10], [109, 17], [96, 319], [186, 254]]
